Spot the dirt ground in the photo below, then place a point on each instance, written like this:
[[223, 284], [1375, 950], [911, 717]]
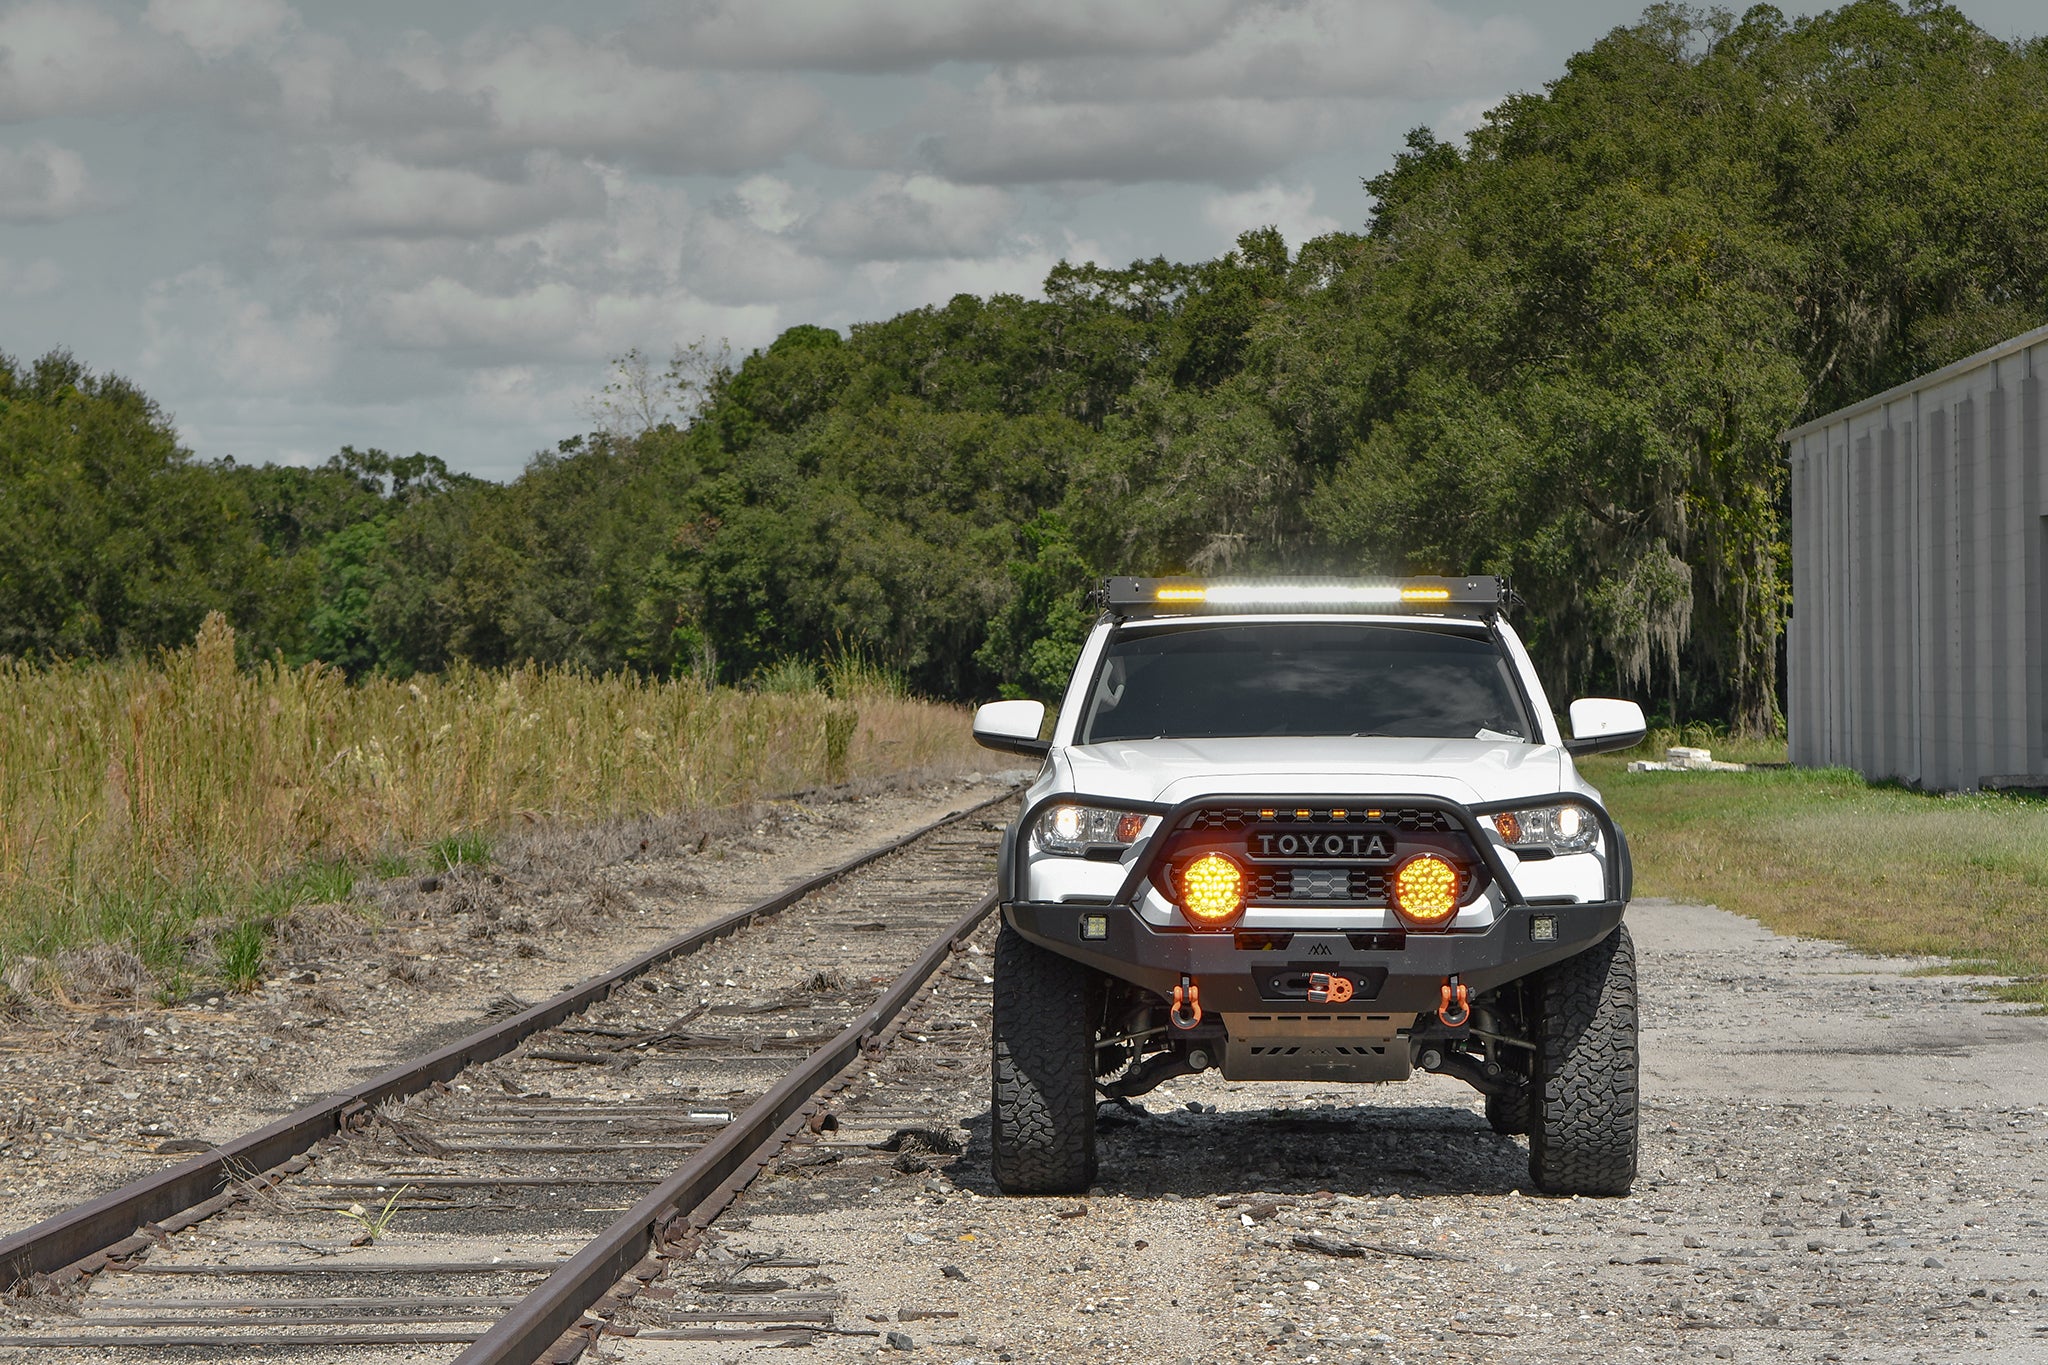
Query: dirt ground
[[97, 1092], [1841, 1162]]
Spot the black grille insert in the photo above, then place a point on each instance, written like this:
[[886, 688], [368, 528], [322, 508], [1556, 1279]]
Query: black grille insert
[[1412, 819], [1350, 885]]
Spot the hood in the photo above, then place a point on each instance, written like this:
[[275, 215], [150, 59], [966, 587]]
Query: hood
[[1468, 771]]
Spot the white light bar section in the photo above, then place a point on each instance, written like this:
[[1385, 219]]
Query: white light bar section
[[1307, 594]]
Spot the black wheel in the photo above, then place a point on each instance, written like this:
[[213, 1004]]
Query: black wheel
[[1508, 1115], [1582, 1109], [1043, 1131]]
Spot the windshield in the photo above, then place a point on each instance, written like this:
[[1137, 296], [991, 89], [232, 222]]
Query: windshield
[[1211, 680]]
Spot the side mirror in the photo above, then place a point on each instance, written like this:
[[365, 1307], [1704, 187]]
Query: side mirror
[[1012, 726], [1602, 723]]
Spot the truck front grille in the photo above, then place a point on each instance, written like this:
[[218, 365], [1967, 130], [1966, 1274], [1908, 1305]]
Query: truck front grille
[[1342, 885], [1409, 819]]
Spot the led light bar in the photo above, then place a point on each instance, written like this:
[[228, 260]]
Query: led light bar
[[1478, 596]]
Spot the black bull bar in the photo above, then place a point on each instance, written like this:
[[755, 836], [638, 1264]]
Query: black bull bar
[[1250, 970]]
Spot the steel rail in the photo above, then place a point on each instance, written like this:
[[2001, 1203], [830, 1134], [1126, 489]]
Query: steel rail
[[530, 1330], [77, 1235]]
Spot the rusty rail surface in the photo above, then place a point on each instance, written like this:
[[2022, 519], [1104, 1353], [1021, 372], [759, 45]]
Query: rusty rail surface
[[80, 1238], [531, 1329]]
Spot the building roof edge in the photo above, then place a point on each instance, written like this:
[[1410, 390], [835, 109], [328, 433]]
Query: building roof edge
[[2024, 341]]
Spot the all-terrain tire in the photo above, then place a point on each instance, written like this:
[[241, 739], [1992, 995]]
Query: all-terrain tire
[[1582, 1112], [1508, 1115], [1043, 1131]]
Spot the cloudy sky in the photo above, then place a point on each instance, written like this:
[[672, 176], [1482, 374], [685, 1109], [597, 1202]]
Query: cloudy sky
[[430, 227]]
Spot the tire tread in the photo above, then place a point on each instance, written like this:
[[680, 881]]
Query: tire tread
[[1583, 1136], [1043, 1087]]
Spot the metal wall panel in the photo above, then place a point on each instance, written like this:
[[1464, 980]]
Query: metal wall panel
[[1918, 646]]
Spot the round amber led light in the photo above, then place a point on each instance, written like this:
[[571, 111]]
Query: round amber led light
[[1211, 890], [1426, 891]]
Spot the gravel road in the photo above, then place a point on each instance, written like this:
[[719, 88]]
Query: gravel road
[[1841, 1162]]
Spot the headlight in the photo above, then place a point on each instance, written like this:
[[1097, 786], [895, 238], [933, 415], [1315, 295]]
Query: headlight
[[1558, 829], [1073, 830]]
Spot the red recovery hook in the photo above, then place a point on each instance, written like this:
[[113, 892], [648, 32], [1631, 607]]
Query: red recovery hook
[[1187, 995]]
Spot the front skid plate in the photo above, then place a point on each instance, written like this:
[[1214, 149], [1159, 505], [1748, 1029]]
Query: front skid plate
[[1251, 980], [1294, 1045]]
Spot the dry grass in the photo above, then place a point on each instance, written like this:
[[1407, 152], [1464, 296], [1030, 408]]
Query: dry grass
[[160, 806], [1825, 854]]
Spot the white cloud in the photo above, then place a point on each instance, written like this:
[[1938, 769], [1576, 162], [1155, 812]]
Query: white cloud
[[372, 195], [202, 322], [905, 35], [548, 88], [543, 89], [1202, 141], [1277, 82], [726, 258], [468, 218], [43, 183], [31, 280], [895, 285], [1464, 118], [551, 320], [770, 202], [214, 28], [524, 390], [1362, 49], [446, 313], [401, 99], [58, 58], [900, 217], [1292, 210]]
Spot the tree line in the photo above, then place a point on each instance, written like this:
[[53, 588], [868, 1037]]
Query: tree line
[[1561, 351]]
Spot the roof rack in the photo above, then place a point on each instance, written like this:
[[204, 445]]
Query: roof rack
[[1484, 596]]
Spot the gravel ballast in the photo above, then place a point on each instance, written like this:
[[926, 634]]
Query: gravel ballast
[[98, 1092], [1840, 1162]]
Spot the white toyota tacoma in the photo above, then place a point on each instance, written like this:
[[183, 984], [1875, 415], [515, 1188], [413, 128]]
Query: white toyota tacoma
[[1313, 831]]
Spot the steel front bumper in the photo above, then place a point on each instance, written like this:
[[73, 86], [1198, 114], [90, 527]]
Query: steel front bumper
[[1249, 971]]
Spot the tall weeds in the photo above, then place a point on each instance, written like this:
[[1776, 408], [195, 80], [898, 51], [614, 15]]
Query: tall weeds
[[140, 798]]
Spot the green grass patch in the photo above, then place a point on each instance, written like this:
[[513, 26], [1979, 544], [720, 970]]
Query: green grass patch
[[183, 935], [1825, 854], [853, 676], [239, 952], [787, 676], [457, 850], [323, 883]]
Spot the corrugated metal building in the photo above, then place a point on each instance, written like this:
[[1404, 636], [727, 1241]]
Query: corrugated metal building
[[1918, 647]]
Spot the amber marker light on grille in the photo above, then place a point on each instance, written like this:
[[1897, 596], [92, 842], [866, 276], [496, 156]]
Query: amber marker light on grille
[[1508, 826], [1129, 828], [1426, 891], [1211, 890]]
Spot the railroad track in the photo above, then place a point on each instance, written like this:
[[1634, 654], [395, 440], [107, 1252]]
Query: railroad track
[[503, 1196]]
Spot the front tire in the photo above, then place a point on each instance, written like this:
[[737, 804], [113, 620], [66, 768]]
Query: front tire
[[1508, 1115], [1043, 1101], [1582, 1103]]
